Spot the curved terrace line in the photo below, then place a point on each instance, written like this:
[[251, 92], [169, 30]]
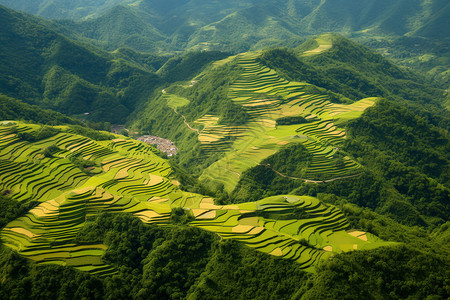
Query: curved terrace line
[[309, 180]]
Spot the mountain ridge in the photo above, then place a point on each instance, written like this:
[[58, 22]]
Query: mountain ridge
[[303, 18]]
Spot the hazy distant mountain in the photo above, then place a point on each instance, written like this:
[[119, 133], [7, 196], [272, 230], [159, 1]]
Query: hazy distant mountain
[[63, 9], [200, 21]]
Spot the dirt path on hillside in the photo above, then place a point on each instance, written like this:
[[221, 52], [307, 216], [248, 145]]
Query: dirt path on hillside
[[185, 122], [308, 180]]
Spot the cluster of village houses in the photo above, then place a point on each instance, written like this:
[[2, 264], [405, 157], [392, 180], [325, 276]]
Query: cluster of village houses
[[163, 145]]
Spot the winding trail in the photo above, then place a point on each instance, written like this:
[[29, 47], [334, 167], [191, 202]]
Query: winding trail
[[185, 122], [308, 180]]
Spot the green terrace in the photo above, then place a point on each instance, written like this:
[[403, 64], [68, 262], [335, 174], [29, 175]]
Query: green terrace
[[267, 97], [130, 178]]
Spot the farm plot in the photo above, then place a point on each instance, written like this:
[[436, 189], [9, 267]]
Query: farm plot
[[132, 179], [129, 177], [268, 97], [324, 43], [298, 228]]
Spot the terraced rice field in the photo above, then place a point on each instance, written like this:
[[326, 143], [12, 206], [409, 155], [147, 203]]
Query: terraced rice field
[[324, 43], [299, 228], [267, 97], [130, 178]]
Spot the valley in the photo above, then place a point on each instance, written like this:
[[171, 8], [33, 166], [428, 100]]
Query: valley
[[266, 149]]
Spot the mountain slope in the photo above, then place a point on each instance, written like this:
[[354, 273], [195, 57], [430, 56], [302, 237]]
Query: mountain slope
[[62, 9], [45, 68], [74, 178], [239, 121], [13, 109], [81, 210], [121, 26], [192, 23], [411, 107], [414, 33]]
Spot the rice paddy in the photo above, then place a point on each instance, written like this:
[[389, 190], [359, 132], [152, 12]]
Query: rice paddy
[[130, 178], [299, 228], [267, 97]]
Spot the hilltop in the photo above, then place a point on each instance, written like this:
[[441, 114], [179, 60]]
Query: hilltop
[[45, 68], [312, 17]]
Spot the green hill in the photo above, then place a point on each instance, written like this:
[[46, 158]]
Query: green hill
[[290, 159], [77, 215], [44, 68], [122, 26], [243, 25], [233, 106], [162, 27], [73, 179], [399, 18], [61, 9], [13, 109]]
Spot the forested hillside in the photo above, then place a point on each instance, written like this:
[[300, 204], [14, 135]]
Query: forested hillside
[[414, 33], [343, 75], [60, 9], [44, 68], [200, 24]]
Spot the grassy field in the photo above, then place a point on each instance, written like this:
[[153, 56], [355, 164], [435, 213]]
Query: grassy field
[[174, 101], [267, 97], [130, 178]]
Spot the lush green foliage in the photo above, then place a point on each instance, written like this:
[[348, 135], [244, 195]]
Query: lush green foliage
[[406, 161], [291, 161], [379, 275], [23, 280], [44, 68], [12, 209], [91, 133], [428, 55], [291, 120], [188, 65], [154, 260], [353, 71], [404, 146], [12, 109], [236, 25]]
